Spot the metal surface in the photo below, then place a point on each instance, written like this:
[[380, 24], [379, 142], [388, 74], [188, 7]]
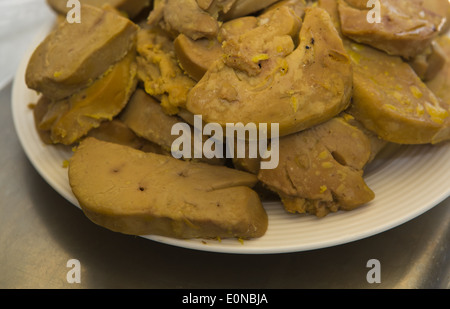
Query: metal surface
[[40, 232]]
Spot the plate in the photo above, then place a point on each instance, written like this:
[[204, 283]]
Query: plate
[[407, 180]]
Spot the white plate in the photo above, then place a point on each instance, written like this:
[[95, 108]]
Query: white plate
[[408, 181]]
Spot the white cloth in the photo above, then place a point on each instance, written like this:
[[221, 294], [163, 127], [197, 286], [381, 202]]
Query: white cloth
[[20, 22]]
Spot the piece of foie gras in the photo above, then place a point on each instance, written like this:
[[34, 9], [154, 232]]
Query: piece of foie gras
[[196, 57], [74, 55], [428, 64], [298, 6], [440, 84], [40, 110], [115, 131], [146, 118], [217, 8], [405, 29], [273, 37], [332, 8], [183, 17], [439, 7], [297, 88], [247, 7], [136, 193], [70, 119], [392, 101], [321, 170], [159, 70]]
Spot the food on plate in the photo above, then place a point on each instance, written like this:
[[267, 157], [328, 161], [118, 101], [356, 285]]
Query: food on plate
[[147, 119], [137, 193], [68, 120], [439, 7], [331, 6], [428, 64], [391, 100], [440, 83], [199, 19], [73, 56], [216, 7], [159, 71], [115, 131], [183, 16], [247, 164], [242, 8], [405, 29], [196, 57], [131, 7], [40, 109], [321, 169], [340, 88], [273, 37], [265, 79], [298, 6]]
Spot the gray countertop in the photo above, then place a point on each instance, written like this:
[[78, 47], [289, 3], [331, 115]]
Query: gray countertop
[[40, 232]]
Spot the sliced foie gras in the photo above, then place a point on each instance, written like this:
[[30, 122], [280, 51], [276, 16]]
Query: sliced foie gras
[[332, 8], [298, 6], [70, 119], [40, 110], [183, 17], [146, 118], [201, 19], [236, 27], [321, 169], [440, 84], [117, 132], [247, 7], [137, 193], [270, 82], [196, 57], [159, 70], [272, 38], [74, 55], [428, 64], [405, 29], [130, 7], [439, 7], [392, 101], [216, 8]]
